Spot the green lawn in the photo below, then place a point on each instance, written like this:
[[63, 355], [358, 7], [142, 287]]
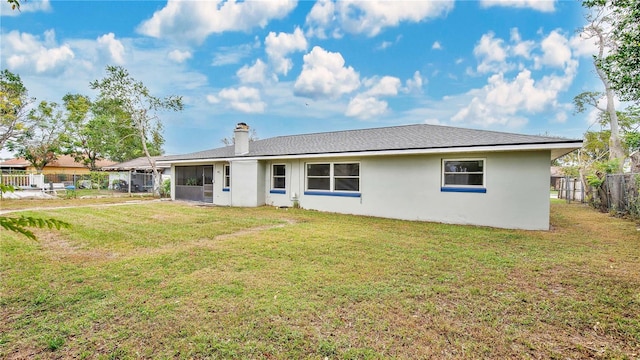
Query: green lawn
[[170, 280]]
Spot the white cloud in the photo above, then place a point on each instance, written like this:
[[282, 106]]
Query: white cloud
[[28, 52], [212, 99], [112, 47], [25, 7], [519, 47], [244, 99], [583, 45], [496, 55], [492, 54], [367, 104], [432, 121], [502, 101], [180, 56], [227, 55], [556, 51], [385, 86], [507, 101], [539, 5], [561, 117], [279, 46], [257, 73], [365, 107], [324, 75], [322, 14], [384, 45], [370, 17], [436, 46], [415, 84], [195, 20]]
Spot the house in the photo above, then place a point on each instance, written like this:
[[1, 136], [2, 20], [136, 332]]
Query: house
[[413, 172], [137, 174], [64, 164], [64, 171]]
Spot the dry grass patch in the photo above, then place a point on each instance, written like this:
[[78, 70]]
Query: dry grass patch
[[172, 280]]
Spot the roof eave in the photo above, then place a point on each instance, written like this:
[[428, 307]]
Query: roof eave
[[557, 149]]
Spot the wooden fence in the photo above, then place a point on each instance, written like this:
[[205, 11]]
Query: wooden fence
[[571, 189], [620, 193]]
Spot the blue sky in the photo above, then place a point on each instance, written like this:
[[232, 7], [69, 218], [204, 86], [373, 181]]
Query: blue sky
[[288, 67]]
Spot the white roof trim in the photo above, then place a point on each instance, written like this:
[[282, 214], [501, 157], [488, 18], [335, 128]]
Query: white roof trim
[[561, 148]]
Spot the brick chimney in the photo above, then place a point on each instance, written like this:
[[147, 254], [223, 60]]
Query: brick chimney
[[241, 139]]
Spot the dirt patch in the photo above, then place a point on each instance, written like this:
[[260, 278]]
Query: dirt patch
[[254, 230], [59, 248]]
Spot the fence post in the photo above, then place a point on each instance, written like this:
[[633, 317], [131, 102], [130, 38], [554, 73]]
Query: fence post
[[624, 200], [567, 190]]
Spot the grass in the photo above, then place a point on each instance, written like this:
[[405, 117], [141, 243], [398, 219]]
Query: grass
[[173, 280], [80, 197]]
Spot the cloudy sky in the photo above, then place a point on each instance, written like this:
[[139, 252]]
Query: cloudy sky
[[287, 67]]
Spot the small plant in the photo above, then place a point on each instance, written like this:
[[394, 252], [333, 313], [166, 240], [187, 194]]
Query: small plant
[[165, 189], [71, 192], [54, 343], [192, 182], [99, 179]]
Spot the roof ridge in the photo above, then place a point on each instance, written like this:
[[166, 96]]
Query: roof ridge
[[413, 125]]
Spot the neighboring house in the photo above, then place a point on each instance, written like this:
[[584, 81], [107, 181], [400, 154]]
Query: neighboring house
[[556, 176], [413, 172], [137, 173], [65, 164], [63, 171]]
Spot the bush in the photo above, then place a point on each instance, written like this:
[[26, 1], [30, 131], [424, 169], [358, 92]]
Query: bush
[[165, 188]]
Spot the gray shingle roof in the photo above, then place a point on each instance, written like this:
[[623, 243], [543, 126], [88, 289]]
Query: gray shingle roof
[[141, 163], [408, 137]]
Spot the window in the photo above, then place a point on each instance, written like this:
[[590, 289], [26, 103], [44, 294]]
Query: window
[[465, 175], [278, 177], [227, 177], [346, 177], [319, 177], [340, 179]]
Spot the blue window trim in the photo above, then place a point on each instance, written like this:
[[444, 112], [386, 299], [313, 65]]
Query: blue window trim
[[225, 189], [277, 191], [463, 189], [332, 193]]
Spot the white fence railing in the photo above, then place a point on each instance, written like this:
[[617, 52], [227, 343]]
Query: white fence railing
[[23, 181]]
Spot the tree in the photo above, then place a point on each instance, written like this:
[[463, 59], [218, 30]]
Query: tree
[[96, 131], [85, 141], [14, 105], [43, 142], [135, 100], [599, 29], [121, 141], [620, 63]]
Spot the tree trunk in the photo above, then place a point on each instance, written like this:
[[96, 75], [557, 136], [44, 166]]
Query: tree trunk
[[616, 151], [588, 189], [156, 175], [635, 162]]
